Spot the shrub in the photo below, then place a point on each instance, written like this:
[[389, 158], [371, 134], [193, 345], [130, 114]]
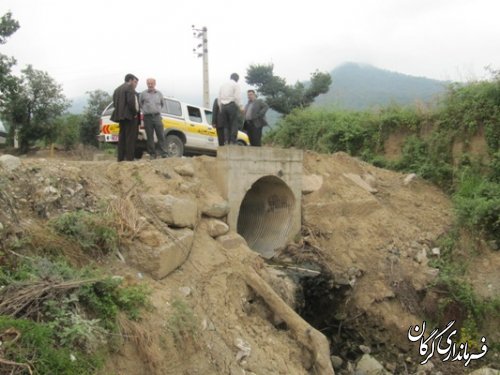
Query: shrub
[[427, 159], [37, 347], [76, 320], [477, 203], [68, 131], [95, 233]]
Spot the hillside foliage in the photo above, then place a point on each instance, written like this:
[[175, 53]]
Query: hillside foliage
[[464, 111]]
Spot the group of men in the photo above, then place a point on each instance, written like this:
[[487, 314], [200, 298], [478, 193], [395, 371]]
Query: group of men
[[127, 106], [227, 116]]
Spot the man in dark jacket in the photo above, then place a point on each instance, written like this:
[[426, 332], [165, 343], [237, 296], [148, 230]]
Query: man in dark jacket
[[255, 118], [126, 110], [217, 123]]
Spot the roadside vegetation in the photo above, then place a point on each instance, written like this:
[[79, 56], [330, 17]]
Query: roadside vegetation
[[59, 312], [429, 132]]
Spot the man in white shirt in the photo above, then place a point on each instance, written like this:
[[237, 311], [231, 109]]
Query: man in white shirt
[[230, 108]]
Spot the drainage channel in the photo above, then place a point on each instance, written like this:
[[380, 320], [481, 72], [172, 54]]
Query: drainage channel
[[265, 216], [264, 220]]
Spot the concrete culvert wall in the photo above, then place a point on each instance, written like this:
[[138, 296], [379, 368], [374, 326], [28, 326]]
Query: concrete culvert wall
[[266, 215]]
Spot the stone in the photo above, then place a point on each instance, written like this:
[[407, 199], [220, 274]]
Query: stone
[[436, 251], [176, 212], [337, 362], [162, 260], [188, 187], [9, 162], [360, 182], [493, 244], [231, 240], [151, 238], [485, 371], [421, 257], [1, 227], [50, 194], [207, 325], [409, 179], [391, 366], [214, 227], [244, 349], [365, 349], [368, 365], [215, 208], [427, 368], [311, 183], [185, 291], [185, 170], [370, 180]]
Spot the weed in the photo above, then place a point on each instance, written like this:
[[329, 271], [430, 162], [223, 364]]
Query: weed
[[182, 323], [79, 321], [95, 233], [477, 203], [37, 346]]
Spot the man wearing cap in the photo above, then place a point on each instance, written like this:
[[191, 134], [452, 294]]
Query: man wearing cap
[[152, 104]]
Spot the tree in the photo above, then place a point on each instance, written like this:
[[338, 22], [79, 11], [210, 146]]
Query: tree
[[8, 26], [68, 130], [284, 98], [33, 105], [89, 127]]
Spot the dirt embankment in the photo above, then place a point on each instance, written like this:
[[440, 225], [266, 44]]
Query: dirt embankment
[[206, 319]]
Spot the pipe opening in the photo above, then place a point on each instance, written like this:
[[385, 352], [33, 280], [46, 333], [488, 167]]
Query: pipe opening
[[265, 216]]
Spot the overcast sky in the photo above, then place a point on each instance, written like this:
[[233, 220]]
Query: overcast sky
[[91, 44]]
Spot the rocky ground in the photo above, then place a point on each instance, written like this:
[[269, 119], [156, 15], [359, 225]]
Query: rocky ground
[[371, 234]]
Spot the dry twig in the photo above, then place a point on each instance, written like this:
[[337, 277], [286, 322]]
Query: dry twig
[[26, 299]]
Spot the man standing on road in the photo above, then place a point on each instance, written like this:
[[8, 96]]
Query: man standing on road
[[216, 122], [255, 118], [152, 102], [230, 108], [126, 109]]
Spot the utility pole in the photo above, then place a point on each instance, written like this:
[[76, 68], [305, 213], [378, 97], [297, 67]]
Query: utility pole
[[201, 50]]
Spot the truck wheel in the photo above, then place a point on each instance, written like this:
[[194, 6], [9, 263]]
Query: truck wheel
[[241, 143], [174, 145]]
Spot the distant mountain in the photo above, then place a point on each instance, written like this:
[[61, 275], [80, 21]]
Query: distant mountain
[[78, 104], [361, 86]]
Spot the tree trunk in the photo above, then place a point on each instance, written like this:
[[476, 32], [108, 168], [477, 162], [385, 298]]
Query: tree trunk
[[308, 336]]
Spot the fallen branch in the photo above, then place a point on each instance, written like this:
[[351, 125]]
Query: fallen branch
[[16, 364], [308, 336]]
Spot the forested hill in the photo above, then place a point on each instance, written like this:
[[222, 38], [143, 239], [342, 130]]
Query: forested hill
[[361, 86]]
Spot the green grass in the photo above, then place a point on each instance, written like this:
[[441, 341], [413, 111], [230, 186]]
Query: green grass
[[79, 324]]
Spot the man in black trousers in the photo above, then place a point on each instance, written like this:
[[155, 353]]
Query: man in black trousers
[[217, 123], [230, 108], [126, 110], [255, 118]]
